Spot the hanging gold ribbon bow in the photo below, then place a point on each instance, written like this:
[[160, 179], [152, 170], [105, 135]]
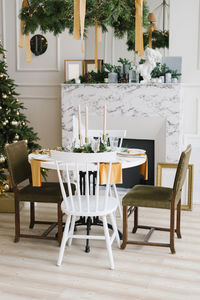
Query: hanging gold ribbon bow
[[27, 36], [82, 20], [98, 38], [139, 45], [76, 29], [79, 20]]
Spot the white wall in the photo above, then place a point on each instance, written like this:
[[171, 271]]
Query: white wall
[[39, 81]]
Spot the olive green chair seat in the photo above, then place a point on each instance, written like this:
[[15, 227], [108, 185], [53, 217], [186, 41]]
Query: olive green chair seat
[[20, 171], [156, 197], [148, 196], [46, 194]]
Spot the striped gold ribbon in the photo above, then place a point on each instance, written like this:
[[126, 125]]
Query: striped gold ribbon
[[27, 37], [82, 20], [139, 45], [98, 38], [76, 29], [150, 30]]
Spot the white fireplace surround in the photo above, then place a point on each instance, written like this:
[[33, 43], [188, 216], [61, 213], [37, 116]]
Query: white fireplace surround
[[150, 111]]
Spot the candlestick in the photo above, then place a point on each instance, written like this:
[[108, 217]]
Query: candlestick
[[79, 122], [86, 124], [104, 124]]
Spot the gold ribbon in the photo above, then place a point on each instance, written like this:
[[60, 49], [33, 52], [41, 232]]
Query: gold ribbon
[[36, 172], [115, 176], [144, 169], [96, 46], [139, 45], [82, 20], [76, 29], [150, 30], [27, 37], [98, 38]]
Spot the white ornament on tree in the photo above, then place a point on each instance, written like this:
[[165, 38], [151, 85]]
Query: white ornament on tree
[[151, 57], [14, 123]]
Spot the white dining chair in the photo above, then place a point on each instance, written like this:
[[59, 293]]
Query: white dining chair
[[87, 205]]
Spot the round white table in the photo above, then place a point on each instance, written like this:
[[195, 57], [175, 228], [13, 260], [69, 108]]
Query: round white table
[[126, 160]]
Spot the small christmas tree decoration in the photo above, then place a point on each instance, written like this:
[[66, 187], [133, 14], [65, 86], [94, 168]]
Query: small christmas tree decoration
[[4, 123], [2, 159], [6, 187], [14, 123], [17, 100], [16, 137], [4, 96]]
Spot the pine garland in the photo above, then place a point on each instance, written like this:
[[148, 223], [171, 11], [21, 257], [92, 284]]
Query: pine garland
[[57, 15]]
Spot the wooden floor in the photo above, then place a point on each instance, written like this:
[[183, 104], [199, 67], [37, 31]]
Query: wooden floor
[[28, 269]]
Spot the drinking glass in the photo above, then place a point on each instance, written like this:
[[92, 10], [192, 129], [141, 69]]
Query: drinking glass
[[113, 142]]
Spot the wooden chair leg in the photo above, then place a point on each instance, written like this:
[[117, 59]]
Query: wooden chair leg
[[32, 215], [135, 220], [125, 227], [178, 220], [172, 215], [17, 221], [60, 232]]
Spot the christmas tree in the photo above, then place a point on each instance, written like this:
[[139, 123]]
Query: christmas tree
[[13, 123]]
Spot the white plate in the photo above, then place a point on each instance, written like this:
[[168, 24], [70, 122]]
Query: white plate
[[132, 152]]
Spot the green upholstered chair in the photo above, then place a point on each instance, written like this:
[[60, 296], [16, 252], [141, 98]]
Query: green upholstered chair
[[156, 197], [20, 171]]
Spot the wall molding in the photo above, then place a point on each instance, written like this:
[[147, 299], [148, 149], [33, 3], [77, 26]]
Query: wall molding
[[198, 46], [18, 68], [38, 85], [188, 85], [3, 24], [39, 98]]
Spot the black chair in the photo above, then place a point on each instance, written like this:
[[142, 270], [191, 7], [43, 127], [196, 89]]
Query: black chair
[[20, 170]]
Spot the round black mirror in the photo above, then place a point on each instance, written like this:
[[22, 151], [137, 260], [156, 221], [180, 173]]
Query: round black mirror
[[39, 44]]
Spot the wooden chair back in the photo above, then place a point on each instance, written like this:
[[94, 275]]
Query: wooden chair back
[[181, 173], [18, 165]]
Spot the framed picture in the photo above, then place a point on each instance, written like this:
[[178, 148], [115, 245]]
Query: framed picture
[[89, 65], [165, 177], [73, 69]]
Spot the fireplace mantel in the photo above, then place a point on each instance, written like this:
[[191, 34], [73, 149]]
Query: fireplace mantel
[[147, 111]]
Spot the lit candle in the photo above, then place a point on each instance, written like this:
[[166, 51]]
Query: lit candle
[[86, 124], [104, 124], [79, 122]]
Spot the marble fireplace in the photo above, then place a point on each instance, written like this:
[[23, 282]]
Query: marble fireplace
[[146, 111]]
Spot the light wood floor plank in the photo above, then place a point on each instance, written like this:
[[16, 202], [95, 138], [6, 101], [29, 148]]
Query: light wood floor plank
[[28, 269]]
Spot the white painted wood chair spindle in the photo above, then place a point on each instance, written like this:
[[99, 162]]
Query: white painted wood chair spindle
[[87, 205]]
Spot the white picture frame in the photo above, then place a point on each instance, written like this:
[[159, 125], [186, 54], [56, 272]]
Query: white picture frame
[[73, 68]]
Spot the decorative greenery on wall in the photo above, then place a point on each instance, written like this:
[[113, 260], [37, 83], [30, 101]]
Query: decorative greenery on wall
[[56, 16]]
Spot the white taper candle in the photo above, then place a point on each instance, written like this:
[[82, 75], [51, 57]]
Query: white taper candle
[[79, 121], [104, 123], [86, 124]]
